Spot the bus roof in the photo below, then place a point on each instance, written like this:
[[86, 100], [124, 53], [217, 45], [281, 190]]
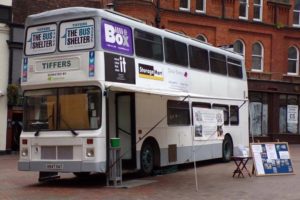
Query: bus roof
[[62, 13], [65, 14]]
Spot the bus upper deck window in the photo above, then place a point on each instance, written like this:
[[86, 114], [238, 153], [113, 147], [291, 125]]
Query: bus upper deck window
[[148, 45]]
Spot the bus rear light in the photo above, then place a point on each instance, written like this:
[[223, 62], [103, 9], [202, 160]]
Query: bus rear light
[[24, 152], [90, 153], [90, 141], [24, 141]]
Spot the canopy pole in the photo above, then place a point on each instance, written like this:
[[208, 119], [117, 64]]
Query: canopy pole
[[193, 146]]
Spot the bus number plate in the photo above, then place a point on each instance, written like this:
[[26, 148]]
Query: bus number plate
[[54, 166]]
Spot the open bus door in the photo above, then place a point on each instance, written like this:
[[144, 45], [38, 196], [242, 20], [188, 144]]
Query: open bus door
[[125, 125]]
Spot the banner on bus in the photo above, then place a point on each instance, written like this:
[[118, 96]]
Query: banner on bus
[[41, 39], [208, 123], [116, 37], [76, 35]]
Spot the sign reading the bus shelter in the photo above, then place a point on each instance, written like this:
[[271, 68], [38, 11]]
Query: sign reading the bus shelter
[[119, 68], [208, 123], [116, 37], [76, 35], [40, 39]]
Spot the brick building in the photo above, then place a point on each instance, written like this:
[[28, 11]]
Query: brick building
[[266, 32]]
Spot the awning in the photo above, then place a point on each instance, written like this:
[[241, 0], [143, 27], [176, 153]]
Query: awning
[[112, 86]]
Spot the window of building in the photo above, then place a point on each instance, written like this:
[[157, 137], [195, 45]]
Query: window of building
[[201, 38], [148, 45], [225, 109], [258, 9], [257, 57], [296, 19], [198, 58], [234, 115], [258, 113], [243, 9], [178, 113], [201, 6], [289, 114], [293, 61], [239, 47], [176, 52], [5, 14], [218, 63], [234, 68], [184, 5]]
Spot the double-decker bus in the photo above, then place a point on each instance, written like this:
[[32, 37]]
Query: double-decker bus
[[89, 75]]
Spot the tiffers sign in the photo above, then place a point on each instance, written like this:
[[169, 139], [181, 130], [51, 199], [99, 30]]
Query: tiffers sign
[[58, 65]]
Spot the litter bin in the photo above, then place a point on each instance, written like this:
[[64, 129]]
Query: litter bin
[[115, 163]]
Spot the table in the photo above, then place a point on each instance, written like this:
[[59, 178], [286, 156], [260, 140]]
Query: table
[[241, 162]]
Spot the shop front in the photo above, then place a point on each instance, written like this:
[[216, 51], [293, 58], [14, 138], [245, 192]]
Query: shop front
[[274, 111]]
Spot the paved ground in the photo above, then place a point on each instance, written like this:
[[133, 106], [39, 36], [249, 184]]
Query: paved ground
[[215, 182]]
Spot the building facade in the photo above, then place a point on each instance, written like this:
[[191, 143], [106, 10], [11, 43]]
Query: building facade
[[266, 32]]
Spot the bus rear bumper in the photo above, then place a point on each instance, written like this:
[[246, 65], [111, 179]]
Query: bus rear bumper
[[62, 166]]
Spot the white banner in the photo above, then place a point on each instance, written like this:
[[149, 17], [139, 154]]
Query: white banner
[[292, 114], [208, 124]]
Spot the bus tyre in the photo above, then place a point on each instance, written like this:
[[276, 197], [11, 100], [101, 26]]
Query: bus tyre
[[227, 149], [147, 159], [82, 174]]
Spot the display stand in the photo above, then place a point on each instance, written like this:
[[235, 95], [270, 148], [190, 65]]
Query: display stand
[[271, 159], [115, 167]]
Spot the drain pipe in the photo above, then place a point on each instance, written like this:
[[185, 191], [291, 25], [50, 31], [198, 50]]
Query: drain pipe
[[223, 9], [157, 17]]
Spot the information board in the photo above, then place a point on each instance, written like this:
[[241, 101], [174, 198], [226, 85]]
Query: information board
[[271, 158]]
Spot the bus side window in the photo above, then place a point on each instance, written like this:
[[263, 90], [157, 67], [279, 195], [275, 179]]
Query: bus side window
[[198, 58], [176, 52], [218, 63], [234, 68], [225, 109], [148, 45], [178, 113], [234, 115]]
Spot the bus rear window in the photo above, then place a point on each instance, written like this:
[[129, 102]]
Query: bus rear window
[[76, 35], [40, 39]]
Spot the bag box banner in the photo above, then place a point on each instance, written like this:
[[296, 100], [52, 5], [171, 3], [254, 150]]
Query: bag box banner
[[119, 68], [76, 35], [116, 37], [41, 39]]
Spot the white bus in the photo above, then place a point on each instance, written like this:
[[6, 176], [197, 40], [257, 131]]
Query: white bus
[[89, 75]]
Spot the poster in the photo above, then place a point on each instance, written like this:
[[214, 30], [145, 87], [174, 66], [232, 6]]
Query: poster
[[116, 37], [292, 114], [208, 124], [119, 68], [271, 158], [76, 35], [41, 39]]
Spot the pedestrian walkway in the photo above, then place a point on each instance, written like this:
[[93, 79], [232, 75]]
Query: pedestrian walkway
[[214, 179]]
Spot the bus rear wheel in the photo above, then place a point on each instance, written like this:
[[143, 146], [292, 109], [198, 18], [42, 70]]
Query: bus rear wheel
[[227, 148], [147, 159], [82, 174]]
